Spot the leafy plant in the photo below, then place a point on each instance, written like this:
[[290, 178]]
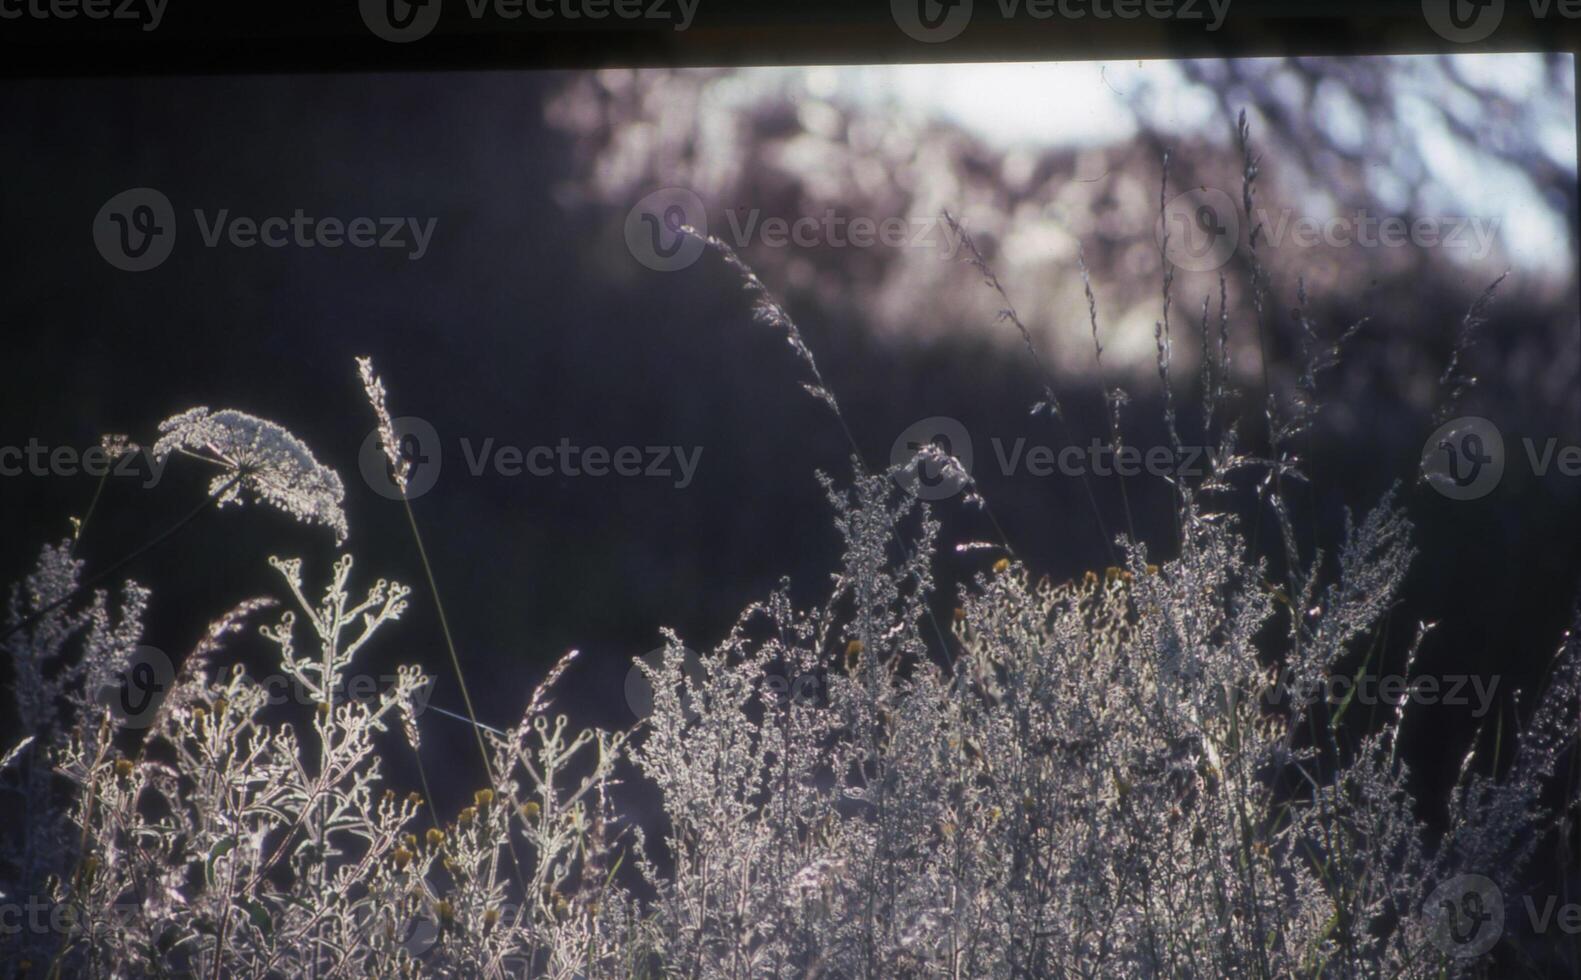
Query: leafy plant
[[1126, 775]]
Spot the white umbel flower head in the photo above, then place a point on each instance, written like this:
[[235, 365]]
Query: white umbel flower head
[[258, 459]]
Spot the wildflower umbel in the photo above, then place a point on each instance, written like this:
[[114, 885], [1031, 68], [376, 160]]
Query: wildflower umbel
[[260, 459]]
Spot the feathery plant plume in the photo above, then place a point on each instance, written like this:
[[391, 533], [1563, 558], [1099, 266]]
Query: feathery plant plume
[[1008, 314], [1215, 360], [768, 311], [1114, 398], [373, 387], [196, 664], [1454, 382], [1161, 338], [1050, 402], [1250, 169], [539, 702], [15, 752]]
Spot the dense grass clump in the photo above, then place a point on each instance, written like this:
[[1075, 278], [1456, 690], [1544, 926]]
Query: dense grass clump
[[1133, 774]]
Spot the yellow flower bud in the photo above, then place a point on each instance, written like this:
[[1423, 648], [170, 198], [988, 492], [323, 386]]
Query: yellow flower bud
[[853, 656]]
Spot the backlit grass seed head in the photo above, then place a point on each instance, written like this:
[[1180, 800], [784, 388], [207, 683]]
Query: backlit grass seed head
[[373, 387]]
